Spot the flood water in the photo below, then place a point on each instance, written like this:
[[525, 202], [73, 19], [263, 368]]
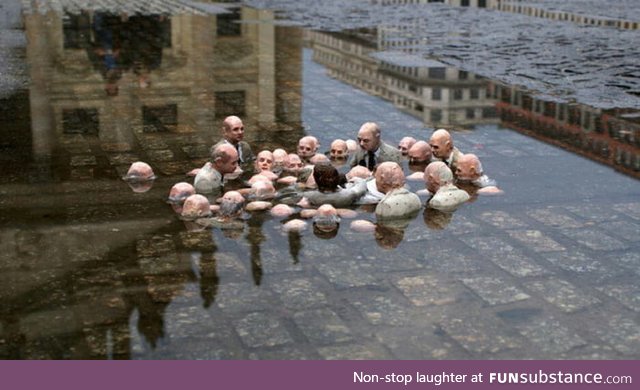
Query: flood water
[[94, 270]]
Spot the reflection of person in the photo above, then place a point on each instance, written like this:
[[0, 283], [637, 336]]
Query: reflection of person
[[233, 134], [436, 219], [398, 202], [388, 237], [373, 150], [105, 54], [443, 149], [439, 181], [144, 45]]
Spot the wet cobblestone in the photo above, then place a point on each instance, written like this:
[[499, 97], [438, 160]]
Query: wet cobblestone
[[481, 335], [262, 330], [495, 291], [322, 326], [562, 294], [594, 239]]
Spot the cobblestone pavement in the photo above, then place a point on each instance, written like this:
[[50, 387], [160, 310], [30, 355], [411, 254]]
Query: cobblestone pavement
[[596, 66], [617, 9]]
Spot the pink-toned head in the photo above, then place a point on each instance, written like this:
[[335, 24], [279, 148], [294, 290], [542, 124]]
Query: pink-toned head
[[405, 144], [389, 176]]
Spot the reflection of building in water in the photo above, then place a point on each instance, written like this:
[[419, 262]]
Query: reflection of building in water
[[442, 96], [608, 136], [458, 3], [90, 253], [177, 77]]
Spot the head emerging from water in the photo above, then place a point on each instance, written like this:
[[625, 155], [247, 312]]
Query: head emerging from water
[[339, 150], [231, 205], [307, 147], [233, 129], [436, 175], [469, 167], [225, 158], [293, 163], [326, 177], [389, 176], [196, 206], [140, 177], [441, 144], [326, 219], [405, 144], [264, 161], [178, 194]]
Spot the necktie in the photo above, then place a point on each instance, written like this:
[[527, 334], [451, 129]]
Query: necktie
[[372, 161]]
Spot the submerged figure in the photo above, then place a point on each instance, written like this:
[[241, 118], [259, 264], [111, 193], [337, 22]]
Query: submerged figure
[[398, 202], [140, 177], [443, 149], [178, 194], [233, 134], [373, 150], [307, 148], [329, 191], [469, 170], [210, 177], [405, 144], [439, 181], [196, 206]]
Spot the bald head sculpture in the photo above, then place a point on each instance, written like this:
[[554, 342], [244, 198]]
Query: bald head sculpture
[[369, 137], [224, 158], [441, 144], [233, 129], [420, 152], [389, 176], [405, 144], [339, 150], [436, 175], [469, 167]]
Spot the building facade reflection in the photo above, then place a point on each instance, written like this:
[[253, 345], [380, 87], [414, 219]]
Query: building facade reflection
[[378, 62], [80, 246], [611, 137]]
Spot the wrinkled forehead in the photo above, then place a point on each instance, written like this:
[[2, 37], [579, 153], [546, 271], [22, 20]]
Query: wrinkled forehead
[[233, 123], [265, 155]]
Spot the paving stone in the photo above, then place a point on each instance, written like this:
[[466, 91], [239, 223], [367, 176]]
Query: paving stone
[[495, 291], [536, 241], [620, 332], [593, 214], [562, 294], [233, 297], [627, 294], [502, 220], [630, 209], [423, 290], [322, 326], [405, 343], [123, 159], [348, 273], [627, 230], [381, 309], [83, 161], [389, 261], [299, 293], [555, 218], [160, 155], [628, 260], [262, 330], [481, 335], [361, 351], [594, 239], [576, 261], [505, 256], [285, 352], [196, 151], [550, 336]]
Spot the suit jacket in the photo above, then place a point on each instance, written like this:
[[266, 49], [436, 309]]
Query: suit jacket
[[452, 161], [244, 147], [386, 153]]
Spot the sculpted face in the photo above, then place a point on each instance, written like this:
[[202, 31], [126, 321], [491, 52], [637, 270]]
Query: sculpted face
[[196, 206], [431, 176], [294, 163], [405, 144], [264, 161], [368, 138], [389, 175], [419, 152], [338, 149], [441, 144], [233, 129], [279, 155], [229, 163], [468, 168], [306, 148]]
